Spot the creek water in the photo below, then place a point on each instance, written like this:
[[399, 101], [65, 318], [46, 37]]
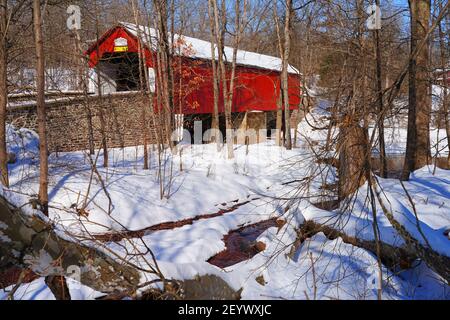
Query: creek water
[[395, 164], [241, 244]]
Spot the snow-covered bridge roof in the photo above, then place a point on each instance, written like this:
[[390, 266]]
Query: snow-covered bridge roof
[[202, 49]]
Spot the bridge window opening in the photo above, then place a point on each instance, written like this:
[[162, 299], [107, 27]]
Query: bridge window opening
[[122, 69]]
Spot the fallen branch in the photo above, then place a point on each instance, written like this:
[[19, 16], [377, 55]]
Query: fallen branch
[[391, 257], [439, 263]]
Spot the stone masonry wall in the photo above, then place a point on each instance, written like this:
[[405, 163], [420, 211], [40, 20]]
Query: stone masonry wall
[[67, 121]]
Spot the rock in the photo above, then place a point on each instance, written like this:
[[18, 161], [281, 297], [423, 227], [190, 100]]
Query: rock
[[261, 280], [260, 246], [208, 287], [50, 254]]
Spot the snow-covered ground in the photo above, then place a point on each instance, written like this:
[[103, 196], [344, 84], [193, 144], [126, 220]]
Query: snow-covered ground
[[276, 182]]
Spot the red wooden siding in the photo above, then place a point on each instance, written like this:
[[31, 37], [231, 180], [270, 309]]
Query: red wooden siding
[[255, 88]]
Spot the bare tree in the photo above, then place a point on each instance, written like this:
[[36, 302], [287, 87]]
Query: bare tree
[[82, 84], [215, 70], [353, 144], [164, 66], [3, 91], [143, 80], [279, 117], [41, 112], [238, 29], [444, 62], [100, 88], [381, 139], [285, 74], [220, 28], [418, 140]]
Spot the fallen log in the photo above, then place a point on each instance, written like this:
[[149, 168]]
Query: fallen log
[[58, 286], [391, 257], [28, 241], [436, 261]]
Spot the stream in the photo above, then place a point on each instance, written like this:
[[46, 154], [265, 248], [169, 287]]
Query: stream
[[241, 244], [395, 164]]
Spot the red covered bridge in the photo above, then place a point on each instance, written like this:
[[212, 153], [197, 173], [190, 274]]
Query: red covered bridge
[[257, 82]]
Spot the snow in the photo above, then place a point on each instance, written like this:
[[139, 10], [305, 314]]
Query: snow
[[339, 271], [38, 290], [337, 276], [207, 181], [202, 49], [430, 194], [263, 174]]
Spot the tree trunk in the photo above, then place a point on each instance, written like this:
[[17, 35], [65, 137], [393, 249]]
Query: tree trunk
[[229, 94], [418, 139], [279, 123], [352, 157], [237, 34], [220, 36], [166, 87], [444, 114], [285, 75], [100, 93], [215, 71], [142, 81], [83, 85], [381, 139], [41, 112], [279, 91], [353, 144], [3, 92], [447, 108]]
